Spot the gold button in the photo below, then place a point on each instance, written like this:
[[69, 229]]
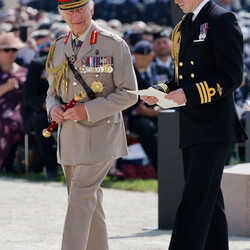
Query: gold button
[[74, 83], [181, 64], [192, 75], [192, 63], [180, 77], [108, 121]]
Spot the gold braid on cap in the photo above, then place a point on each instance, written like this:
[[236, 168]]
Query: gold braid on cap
[[74, 5], [60, 73], [176, 45]]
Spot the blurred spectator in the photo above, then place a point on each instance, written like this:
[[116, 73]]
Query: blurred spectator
[[129, 11], [34, 114], [162, 49], [231, 5], [28, 52], [142, 119], [12, 79], [242, 97], [102, 10], [131, 38], [158, 12], [46, 5], [245, 5]]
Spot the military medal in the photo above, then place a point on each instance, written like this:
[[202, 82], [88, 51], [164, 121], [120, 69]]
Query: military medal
[[106, 68], [203, 31], [84, 69], [72, 59], [97, 87]]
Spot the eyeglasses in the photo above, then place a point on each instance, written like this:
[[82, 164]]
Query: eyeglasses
[[10, 49], [42, 46]]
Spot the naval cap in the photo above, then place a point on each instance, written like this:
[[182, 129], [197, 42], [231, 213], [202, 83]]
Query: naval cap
[[143, 48], [160, 34], [71, 4]]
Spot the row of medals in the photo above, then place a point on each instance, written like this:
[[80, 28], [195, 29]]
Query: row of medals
[[97, 69]]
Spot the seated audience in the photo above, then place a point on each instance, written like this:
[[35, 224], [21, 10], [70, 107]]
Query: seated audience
[[142, 119], [162, 49]]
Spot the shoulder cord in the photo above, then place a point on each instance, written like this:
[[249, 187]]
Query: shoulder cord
[[59, 73], [176, 44]]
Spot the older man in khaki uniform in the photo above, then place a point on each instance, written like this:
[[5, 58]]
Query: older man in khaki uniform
[[91, 134]]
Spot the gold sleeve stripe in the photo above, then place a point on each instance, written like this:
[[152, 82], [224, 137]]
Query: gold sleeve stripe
[[204, 92], [200, 92], [208, 91], [164, 87]]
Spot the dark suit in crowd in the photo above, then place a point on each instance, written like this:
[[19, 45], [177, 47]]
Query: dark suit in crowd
[[129, 11], [35, 116], [210, 69]]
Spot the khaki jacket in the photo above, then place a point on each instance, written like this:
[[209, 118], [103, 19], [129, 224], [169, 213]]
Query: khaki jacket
[[102, 136]]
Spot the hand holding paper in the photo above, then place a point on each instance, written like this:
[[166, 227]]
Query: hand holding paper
[[162, 101]]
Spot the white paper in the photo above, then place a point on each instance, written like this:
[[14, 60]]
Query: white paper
[[135, 152], [163, 102]]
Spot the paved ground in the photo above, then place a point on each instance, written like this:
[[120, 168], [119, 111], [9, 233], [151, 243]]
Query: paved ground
[[32, 217]]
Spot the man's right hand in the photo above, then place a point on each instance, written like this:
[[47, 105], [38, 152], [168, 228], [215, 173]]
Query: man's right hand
[[151, 100], [56, 113]]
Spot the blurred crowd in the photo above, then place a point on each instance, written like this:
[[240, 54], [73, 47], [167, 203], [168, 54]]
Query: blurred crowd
[[26, 34]]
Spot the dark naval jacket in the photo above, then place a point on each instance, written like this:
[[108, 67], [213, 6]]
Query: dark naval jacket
[[210, 69]]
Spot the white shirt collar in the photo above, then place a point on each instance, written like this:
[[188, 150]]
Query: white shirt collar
[[198, 9], [160, 62], [84, 34]]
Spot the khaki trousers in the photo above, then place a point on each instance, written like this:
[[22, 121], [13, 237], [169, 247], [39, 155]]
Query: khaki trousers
[[85, 227]]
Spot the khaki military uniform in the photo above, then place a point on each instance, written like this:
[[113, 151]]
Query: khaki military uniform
[[86, 148]]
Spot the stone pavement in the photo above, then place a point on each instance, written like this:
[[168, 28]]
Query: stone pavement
[[32, 217]]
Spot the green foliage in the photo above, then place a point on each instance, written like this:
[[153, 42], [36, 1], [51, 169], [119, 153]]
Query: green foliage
[[135, 185]]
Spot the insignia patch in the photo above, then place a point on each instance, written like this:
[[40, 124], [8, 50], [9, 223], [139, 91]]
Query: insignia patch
[[93, 38], [97, 52], [219, 89]]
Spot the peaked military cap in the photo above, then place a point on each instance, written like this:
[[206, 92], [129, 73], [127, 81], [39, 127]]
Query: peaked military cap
[[71, 4]]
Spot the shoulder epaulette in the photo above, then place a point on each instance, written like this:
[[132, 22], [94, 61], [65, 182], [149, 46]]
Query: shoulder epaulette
[[60, 37], [110, 34]]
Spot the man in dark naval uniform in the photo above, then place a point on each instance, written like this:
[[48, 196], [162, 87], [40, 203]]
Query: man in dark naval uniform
[[207, 49]]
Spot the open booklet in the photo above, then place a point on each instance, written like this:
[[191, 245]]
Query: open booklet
[[163, 102]]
